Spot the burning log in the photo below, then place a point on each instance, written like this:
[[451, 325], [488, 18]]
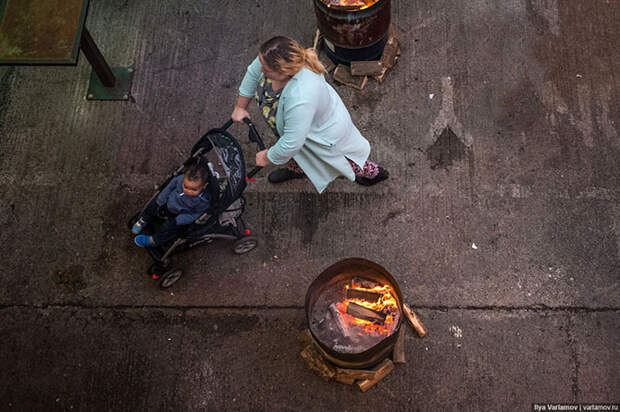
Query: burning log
[[343, 75], [342, 326], [414, 320], [363, 295], [361, 312], [381, 371], [398, 355], [364, 283], [316, 362]]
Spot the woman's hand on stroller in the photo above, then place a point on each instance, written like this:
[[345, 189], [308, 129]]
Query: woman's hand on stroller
[[262, 159], [238, 114]]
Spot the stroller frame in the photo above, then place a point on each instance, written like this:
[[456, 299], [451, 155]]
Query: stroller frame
[[224, 220]]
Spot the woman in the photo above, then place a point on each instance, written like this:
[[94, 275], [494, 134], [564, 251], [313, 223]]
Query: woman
[[316, 135]]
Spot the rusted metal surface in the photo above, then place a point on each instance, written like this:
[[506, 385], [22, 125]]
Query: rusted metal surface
[[345, 269], [41, 32], [353, 29]]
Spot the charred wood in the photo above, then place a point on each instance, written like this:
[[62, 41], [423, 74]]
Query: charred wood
[[361, 312], [342, 326], [363, 295], [364, 283]]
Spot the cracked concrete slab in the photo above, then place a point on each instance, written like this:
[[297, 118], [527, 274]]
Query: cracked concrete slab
[[225, 359]]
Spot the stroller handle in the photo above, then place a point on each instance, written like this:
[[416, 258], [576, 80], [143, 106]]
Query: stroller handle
[[253, 136]]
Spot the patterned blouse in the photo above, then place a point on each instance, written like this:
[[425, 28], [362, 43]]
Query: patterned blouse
[[267, 100]]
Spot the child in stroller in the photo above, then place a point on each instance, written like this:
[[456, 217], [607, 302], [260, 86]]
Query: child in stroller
[[214, 212], [182, 202]]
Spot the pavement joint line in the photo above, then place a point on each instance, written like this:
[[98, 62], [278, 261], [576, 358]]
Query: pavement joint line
[[440, 308], [572, 345]]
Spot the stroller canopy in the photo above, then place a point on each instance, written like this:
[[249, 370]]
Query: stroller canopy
[[230, 161]]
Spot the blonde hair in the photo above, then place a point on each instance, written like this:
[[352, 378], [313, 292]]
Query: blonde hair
[[286, 56]]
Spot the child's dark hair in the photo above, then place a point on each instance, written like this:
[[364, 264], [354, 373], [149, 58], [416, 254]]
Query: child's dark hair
[[198, 170]]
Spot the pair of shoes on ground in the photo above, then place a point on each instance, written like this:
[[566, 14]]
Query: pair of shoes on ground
[[282, 175], [381, 176]]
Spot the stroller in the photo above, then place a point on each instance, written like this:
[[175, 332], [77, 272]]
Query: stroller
[[224, 219]]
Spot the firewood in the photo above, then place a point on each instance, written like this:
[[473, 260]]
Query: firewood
[[397, 32], [390, 51], [361, 312], [381, 370], [317, 363], [316, 39], [327, 62], [347, 380], [390, 54], [304, 338], [363, 68], [342, 326], [343, 75], [414, 320], [364, 283], [363, 295], [398, 355], [379, 78], [356, 373]]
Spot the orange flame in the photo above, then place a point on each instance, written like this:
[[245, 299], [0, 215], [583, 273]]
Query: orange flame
[[360, 4], [386, 300]]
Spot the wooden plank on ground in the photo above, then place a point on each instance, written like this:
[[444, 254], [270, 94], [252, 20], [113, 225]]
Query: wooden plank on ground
[[366, 68], [382, 370], [398, 355], [356, 373], [343, 75], [317, 363], [414, 320]]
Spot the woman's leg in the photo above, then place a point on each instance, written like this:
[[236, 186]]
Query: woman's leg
[[291, 171], [370, 174], [294, 167]]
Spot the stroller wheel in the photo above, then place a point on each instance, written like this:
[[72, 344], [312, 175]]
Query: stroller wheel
[[133, 220], [169, 278], [245, 244], [156, 270]]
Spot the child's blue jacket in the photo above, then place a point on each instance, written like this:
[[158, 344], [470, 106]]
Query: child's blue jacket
[[186, 208]]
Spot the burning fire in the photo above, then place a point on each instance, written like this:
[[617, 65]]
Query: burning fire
[[358, 4], [385, 302]]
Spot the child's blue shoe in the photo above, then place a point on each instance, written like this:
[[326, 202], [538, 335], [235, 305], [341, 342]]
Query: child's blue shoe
[[144, 241], [138, 226]]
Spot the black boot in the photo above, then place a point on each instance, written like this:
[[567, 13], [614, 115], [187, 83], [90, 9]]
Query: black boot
[[282, 175], [381, 176]]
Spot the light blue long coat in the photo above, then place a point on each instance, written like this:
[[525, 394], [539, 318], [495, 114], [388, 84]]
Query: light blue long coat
[[315, 127]]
